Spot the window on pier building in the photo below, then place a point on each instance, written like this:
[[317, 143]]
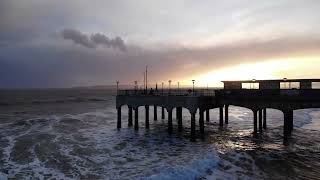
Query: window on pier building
[[289, 85], [250, 85], [315, 85]]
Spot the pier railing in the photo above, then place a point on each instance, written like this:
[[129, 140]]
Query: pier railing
[[167, 92]]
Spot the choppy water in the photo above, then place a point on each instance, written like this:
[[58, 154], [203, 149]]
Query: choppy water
[[71, 134]]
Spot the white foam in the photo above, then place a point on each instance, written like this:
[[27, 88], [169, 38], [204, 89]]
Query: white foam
[[195, 170]]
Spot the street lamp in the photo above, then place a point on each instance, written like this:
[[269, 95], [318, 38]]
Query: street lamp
[[162, 87], [178, 86], [169, 86], [285, 83], [193, 86], [253, 80]]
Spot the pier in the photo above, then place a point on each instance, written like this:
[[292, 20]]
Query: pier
[[285, 95]]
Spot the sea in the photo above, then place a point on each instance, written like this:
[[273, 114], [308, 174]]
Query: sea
[[72, 134]]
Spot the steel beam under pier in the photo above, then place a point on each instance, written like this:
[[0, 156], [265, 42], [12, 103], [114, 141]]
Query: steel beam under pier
[[221, 116], [147, 117], [264, 118], [129, 116], [136, 118], [119, 117]]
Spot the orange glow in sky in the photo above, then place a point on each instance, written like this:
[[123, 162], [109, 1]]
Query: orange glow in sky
[[306, 67]]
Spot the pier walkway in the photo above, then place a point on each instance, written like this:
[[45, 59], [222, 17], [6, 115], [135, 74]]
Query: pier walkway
[[275, 94]]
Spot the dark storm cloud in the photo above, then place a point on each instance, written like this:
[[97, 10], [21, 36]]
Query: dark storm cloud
[[94, 40]]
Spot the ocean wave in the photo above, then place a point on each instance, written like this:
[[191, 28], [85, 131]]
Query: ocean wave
[[196, 170]]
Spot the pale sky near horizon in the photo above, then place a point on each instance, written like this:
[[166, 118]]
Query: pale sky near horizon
[[47, 43]]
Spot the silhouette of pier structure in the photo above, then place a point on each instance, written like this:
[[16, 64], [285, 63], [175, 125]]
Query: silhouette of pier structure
[[285, 95]]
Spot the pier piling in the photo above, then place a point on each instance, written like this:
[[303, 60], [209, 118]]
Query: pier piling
[[155, 112], [147, 117], [226, 113], [208, 115], [264, 118], [119, 117], [162, 113], [201, 121], [129, 116], [193, 126], [179, 117], [169, 120], [255, 128], [221, 116], [136, 118], [260, 120]]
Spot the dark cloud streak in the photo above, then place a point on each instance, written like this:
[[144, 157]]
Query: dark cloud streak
[[94, 40]]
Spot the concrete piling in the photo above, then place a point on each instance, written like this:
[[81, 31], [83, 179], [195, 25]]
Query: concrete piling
[[155, 112], [129, 116], [260, 120], [119, 117], [226, 108], [147, 117], [264, 118], [221, 116], [136, 118]]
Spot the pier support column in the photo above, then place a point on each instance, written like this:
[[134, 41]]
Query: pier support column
[[193, 126], [155, 112], [260, 120], [286, 121], [129, 116], [264, 118], [255, 118], [208, 115], [201, 120], [226, 109], [147, 117], [169, 120], [136, 118], [290, 121], [119, 117], [179, 117], [162, 113], [221, 116]]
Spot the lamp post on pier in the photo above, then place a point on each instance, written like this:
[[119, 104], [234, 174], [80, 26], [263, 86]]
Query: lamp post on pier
[[193, 86], [169, 86]]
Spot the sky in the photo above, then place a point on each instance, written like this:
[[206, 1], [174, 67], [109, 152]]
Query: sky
[[58, 43]]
